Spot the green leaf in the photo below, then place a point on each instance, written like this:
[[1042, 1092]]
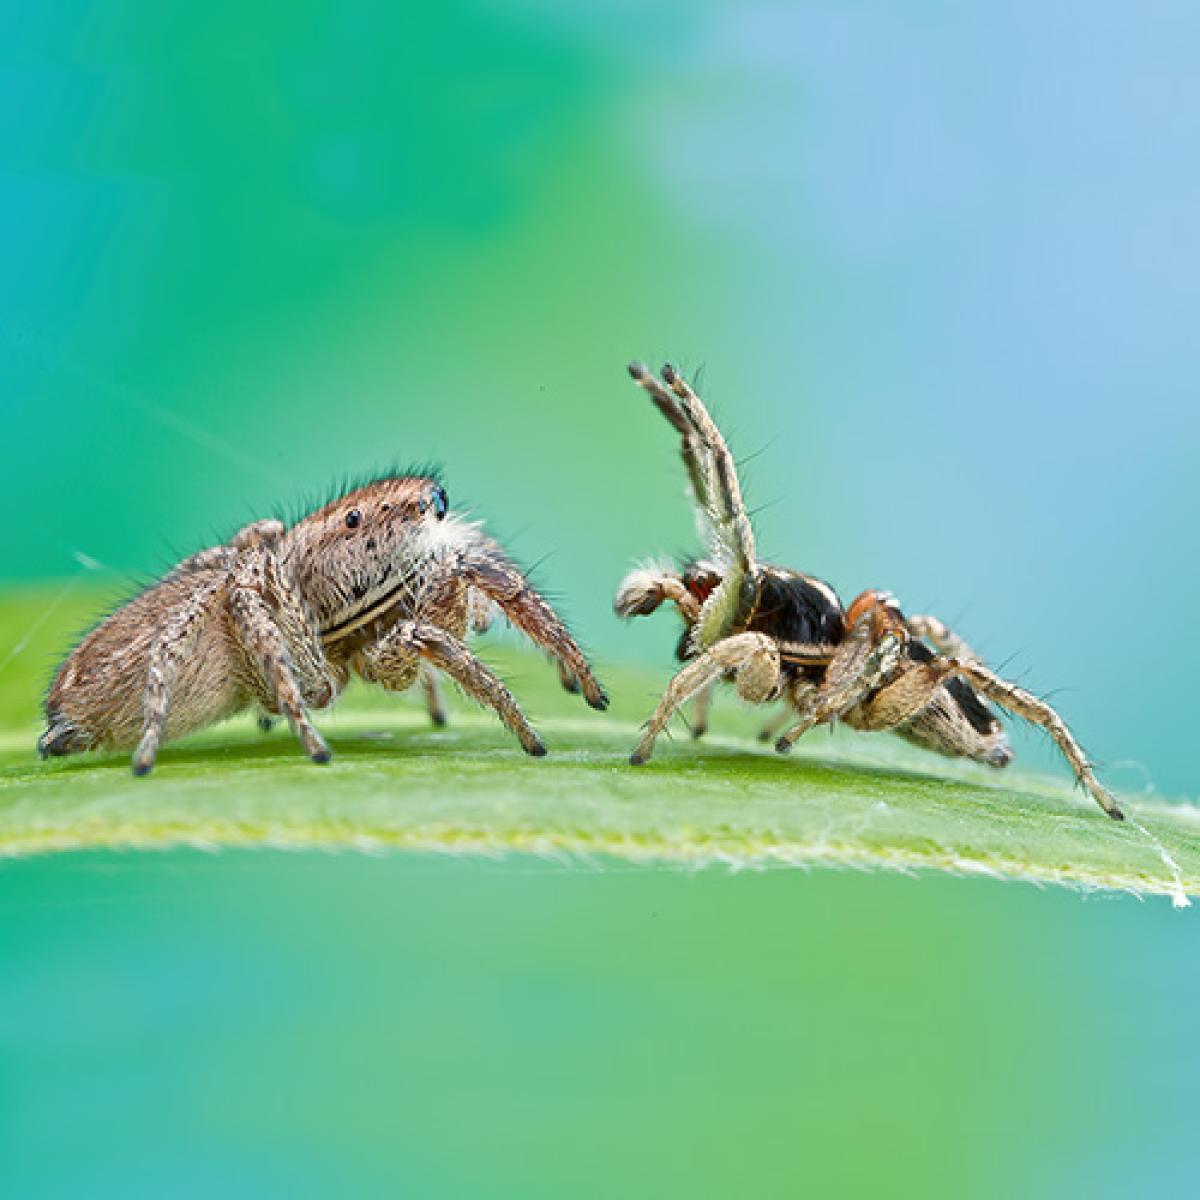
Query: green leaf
[[396, 783]]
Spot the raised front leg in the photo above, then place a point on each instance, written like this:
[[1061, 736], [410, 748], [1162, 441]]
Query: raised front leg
[[717, 492], [753, 659], [394, 660]]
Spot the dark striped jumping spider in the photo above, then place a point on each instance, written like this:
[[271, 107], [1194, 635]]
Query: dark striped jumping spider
[[777, 634], [382, 583]]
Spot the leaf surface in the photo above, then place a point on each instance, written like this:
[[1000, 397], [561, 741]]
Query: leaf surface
[[396, 783]]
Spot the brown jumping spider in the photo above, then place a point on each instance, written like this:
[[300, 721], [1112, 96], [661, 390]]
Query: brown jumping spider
[[780, 635], [382, 582]]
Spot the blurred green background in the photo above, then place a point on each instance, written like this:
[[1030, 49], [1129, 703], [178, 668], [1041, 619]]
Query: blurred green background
[[941, 265]]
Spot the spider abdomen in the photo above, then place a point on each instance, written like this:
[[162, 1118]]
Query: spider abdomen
[[96, 699]]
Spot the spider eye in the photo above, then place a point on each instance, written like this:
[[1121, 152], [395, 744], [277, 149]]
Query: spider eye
[[353, 519], [438, 499]]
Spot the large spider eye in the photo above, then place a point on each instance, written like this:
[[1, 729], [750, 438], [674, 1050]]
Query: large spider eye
[[353, 519], [438, 499]]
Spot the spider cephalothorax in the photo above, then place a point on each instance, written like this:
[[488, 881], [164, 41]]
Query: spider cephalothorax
[[383, 582], [778, 634]]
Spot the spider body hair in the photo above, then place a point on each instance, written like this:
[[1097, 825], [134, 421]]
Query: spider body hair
[[383, 581]]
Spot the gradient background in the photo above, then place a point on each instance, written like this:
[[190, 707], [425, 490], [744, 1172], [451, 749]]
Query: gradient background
[[941, 264]]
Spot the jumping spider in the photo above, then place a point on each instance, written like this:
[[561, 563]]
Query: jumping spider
[[782, 635], [382, 583]]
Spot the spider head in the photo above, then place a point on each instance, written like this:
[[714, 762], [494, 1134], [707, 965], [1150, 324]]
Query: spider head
[[381, 515], [703, 576], [351, 555]]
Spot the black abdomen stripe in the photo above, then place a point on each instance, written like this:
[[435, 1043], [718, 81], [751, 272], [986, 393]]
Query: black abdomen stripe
[[795, 608]]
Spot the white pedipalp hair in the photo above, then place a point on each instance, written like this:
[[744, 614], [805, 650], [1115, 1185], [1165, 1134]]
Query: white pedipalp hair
[[640, 584], [454, 532], [415, 560]]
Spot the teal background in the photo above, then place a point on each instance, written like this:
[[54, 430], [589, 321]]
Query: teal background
[[940, 264]]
